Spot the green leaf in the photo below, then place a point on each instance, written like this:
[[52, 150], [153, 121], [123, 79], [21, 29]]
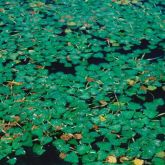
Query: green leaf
[[38, 132], [38, 149], [90, 157], [104, 146], [128, 114], [72, 158], [46, 140], [102, 155], [133, 106], [82, 149], [20, 151], [12, 161], [158, 161], [151, 113]]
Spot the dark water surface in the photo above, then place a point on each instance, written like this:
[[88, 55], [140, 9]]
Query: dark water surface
[[50, 157]]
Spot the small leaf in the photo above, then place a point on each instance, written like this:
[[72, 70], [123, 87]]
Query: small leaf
[[151, 113], [11, 83], [62, 155], [77, 136], [66, 137], [111, 159], [72, 158], [103, 103], [102, 118], [2, 10], [138, 162], [20, 151], [131, 82], [161, 154], [144, 88], [38, 149], [151, 88], [163, 87], [123, 159], [12, 161], [71, 23], [82, 149], [89, 79], [158, 161]]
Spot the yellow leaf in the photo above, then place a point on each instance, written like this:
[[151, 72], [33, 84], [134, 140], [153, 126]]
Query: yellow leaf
[[71, 23], [111, 159], [102, 118], [37, 4], [163, 87], [135, 1], [68, 30], [131, 82], [11, 83], [103, 103], [123, 158], [161, 154], [138, 161], [118, 103], [151, 88], [115, 44]]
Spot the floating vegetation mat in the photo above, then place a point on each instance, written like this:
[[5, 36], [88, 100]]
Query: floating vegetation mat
[[85, 77]]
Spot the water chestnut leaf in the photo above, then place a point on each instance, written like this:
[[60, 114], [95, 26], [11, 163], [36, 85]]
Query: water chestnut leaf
[[85, 77], [71, 157], [12, 161], [38, 149]]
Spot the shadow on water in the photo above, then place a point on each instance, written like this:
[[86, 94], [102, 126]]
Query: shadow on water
[[150, 97], [50, 157], [96, 61], [59, 67]]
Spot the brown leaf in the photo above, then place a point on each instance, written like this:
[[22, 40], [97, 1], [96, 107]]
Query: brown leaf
[[20, 100], [58, 128], [144, 88], [77, 136], [62, 155], [103, 103], [66, 137], [11, 83], [34, 127], [33, 12], [17, 118], [152, 78], [30, 108], [2, 10], [39, 4], [39, 67], [89, 79], [95, 127]]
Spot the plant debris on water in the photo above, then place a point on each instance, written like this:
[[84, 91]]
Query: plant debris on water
[[85, 77]]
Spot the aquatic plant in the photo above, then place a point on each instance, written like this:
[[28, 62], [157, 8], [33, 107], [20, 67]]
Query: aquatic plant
[[84, 76]]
